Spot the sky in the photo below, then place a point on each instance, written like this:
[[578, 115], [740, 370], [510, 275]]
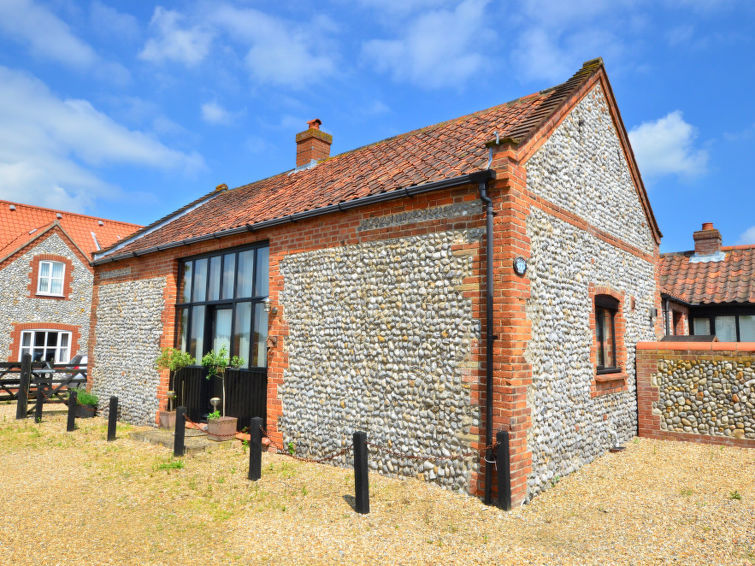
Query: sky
[[129, 110]]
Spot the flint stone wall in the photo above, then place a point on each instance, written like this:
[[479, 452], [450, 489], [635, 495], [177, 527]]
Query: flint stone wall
[[379, 339], [582, 169], [128, 331], [710, 396], [17, 307]]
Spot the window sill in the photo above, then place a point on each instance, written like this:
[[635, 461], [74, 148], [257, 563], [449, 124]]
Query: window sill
[[49, 296], [610, 377]]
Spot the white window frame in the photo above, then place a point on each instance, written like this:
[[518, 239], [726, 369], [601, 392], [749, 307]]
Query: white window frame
[[62, 353], [49, 279]]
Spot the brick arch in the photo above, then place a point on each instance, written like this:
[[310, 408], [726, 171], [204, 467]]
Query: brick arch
[[18, 328], [609, 382]]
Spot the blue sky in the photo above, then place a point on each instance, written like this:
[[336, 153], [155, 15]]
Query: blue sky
[[129, 110]]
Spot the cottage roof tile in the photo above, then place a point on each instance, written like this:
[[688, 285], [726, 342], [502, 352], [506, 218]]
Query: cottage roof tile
[[731, 280], [442, 151], [24, 223]]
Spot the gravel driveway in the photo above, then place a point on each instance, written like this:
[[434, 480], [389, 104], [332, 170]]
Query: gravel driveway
[[76, 499]]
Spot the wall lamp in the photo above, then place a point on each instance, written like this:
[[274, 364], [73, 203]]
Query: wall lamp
[[268, 309]]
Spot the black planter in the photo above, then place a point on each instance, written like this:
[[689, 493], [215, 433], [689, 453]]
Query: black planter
[[85, 411]]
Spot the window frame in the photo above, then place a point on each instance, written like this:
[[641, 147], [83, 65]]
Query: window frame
[[45, 348], [711, 316], [607, 304], [49, 278], [258, 301]]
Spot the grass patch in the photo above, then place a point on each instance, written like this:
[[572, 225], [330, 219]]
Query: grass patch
[[172, 464]]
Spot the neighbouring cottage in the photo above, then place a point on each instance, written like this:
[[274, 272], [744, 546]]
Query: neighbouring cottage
[[493, 272], [46, 279], [711, 290]]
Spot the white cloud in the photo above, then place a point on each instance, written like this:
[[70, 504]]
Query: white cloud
[[50, 148], [214, 113], [552, 38], [439, 48], [280, 52], [172, 42], [49, 37], [666, 147], [110, 23], [402, 7], [748, 236], [44, 33]]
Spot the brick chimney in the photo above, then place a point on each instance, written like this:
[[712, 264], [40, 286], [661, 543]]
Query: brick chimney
[[312, 144], [707, 240]]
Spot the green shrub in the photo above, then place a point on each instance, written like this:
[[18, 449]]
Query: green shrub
[[174, 360], [85, 398]]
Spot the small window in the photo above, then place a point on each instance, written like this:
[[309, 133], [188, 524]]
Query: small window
[[606, 308], [51, 346], [50, 280], [701, 326]]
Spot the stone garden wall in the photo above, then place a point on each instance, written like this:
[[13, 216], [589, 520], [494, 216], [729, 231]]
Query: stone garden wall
[[701, 392]]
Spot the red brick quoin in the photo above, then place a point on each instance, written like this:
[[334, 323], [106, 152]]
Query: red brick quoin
[[34, 276], [15, 336]]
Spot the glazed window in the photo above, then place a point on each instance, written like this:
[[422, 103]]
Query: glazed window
[[222, 304], [51, 346], [728, 328], [606, 308], [50, 279]]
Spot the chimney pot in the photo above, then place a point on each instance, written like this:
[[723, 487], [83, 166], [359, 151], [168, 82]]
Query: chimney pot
[[707, 240], [312, 144]]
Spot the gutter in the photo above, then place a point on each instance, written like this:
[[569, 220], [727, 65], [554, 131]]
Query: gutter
[[477, 177]]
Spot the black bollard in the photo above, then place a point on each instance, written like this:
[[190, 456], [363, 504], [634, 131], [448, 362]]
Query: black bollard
[[112, 418], [23, 387], [255, 448], [38, 404], [72, 397], [504, 470], [361, 482], [178, 442]]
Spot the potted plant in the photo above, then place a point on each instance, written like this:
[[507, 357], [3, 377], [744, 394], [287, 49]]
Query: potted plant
[[86, 404], [174, 360], [219, 426]]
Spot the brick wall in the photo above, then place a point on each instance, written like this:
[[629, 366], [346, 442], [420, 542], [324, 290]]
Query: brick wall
[[697, 392]]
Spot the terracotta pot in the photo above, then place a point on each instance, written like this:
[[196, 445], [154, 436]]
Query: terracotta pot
[[223, 428], [168, 419], [85, 411]]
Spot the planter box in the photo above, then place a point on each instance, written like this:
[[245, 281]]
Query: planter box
[[223, 428], [168, 419], [85, 411]]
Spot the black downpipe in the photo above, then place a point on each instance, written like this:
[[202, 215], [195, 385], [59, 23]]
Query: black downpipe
[[489, 341]]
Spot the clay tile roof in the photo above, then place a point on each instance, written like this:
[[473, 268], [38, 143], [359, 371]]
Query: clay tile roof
[[439, 152], [731, 280], [26, 222]]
